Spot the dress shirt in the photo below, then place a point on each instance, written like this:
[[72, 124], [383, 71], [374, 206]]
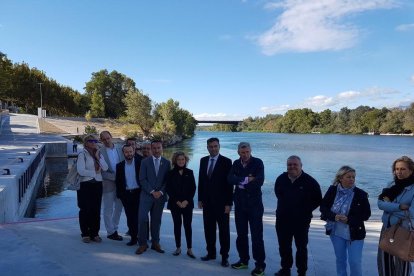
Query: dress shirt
[[113, 157], [209, 162], [130, 175]]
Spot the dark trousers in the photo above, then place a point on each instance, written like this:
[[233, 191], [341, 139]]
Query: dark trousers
[[130, 200], [286, 231], [249, 212], [213, 216], [89, 198], [180, 216]]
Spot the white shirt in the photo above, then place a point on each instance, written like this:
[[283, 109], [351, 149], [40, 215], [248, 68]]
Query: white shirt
[[130, 175], [113, 157]]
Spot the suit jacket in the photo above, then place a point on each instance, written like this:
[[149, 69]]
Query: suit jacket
[[151, 182], [180, 187], [216, 190], [108, 182], [120, 179]]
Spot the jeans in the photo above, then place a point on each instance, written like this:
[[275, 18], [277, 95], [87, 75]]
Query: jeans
[[348, 252]]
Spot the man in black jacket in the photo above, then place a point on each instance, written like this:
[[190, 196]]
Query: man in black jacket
[[215, 198], [298, 194], [128, 189]]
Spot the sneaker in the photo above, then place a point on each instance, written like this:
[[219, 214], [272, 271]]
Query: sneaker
[[258, 271], [96, 239], [86, 239], [240, 265]]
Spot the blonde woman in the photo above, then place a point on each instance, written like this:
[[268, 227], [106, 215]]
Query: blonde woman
[[396, 201], [89, 166], [345, 207]]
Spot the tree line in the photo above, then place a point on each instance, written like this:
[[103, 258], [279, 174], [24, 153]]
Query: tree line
[[107, 95], [363, 119]]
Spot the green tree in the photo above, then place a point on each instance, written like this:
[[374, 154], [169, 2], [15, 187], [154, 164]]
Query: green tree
[[393, 122], [409, 118], [113, 87], [139, 110], [97, 105]]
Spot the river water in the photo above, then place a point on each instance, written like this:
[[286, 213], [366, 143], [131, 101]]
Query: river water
[[321, 154]]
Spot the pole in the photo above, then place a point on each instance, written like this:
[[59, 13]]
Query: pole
[[41, 96]]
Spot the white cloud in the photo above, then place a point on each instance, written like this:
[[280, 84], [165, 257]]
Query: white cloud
[[379, 96], [309, 26], [405, 27]]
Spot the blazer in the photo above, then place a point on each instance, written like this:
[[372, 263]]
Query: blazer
[[359, 211], [108, 176], [215, 190], [151, 182], [180, 187], [120, 179]]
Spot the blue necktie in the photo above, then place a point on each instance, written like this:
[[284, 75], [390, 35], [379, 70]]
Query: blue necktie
[[210, 169]]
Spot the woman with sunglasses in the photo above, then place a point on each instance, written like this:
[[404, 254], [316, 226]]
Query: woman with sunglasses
[[89, 166]]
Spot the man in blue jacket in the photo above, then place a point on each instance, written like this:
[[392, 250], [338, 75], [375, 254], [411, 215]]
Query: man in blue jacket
[[298, 194], [247, 175]]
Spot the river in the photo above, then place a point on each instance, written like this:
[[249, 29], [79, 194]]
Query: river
[[321, 154]]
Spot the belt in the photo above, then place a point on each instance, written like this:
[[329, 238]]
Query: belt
[[133, 190]]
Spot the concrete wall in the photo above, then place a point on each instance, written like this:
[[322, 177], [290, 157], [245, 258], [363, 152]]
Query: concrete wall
[[18, 189]]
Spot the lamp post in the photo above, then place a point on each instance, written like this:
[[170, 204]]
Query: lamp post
[[41, 96]]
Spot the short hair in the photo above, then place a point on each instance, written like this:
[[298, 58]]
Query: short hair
[[156, 141], [145, 143], [295, 157], [341, 172], [243, 145], [89, 137], [130, 139], [103, 132], [213, 139], [125, 146], [178, 154], [407, 160]]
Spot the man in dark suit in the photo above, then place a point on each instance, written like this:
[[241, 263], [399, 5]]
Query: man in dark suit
[[215, 198], [128, 189], [153, 197]]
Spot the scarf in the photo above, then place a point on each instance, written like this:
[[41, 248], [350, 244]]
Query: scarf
[[396, 189], [96, 161], [342, 200]]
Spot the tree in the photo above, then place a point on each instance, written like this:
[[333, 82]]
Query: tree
[[113, 87], [97, 105], [393, 122], [138, 110], [409, 118]]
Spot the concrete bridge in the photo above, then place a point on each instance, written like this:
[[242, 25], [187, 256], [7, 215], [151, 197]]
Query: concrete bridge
[[218, 122]]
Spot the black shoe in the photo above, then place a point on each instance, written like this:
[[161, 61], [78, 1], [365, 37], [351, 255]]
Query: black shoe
[[157, 247], [283, 272], [240, 265], [224, 262], [132, 242], [190, 254], [258, 271], [115, 237], [208, 258], [177, 252]]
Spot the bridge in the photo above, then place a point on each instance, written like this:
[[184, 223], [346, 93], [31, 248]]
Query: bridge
[[218, 122]]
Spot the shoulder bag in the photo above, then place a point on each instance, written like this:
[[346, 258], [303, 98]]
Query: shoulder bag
[[72, 181], [399, 241]]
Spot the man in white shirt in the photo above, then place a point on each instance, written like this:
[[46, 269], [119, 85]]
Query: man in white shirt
[[112, 206]]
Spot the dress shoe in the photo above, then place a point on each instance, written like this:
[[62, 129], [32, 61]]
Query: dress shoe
[[141, 249], [157, 247], [190, 254], [224, 262], [114, 236], [132, 242], [208, 258], [177, 252]]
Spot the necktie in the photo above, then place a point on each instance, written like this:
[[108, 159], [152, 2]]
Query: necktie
[[210, 169], [157, 165]]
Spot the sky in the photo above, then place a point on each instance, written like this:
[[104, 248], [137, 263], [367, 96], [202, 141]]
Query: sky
[[225, 59]]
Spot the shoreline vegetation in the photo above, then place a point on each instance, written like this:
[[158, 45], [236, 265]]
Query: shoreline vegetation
[[114, 96]]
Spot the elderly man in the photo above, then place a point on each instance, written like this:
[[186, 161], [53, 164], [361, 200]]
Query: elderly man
[[298, 194], [247, 174], [112, 206]]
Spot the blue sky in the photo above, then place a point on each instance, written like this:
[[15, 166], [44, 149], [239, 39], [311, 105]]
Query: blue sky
[[225, 59]]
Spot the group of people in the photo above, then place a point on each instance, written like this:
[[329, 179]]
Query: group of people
[[142, 183]]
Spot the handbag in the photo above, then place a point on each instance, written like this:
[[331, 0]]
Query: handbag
[[72, 181], [399, 241]]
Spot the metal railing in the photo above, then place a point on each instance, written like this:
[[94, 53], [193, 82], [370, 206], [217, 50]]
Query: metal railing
[[27, 176]]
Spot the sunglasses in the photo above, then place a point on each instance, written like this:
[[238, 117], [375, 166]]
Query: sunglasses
[[92, 141]]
